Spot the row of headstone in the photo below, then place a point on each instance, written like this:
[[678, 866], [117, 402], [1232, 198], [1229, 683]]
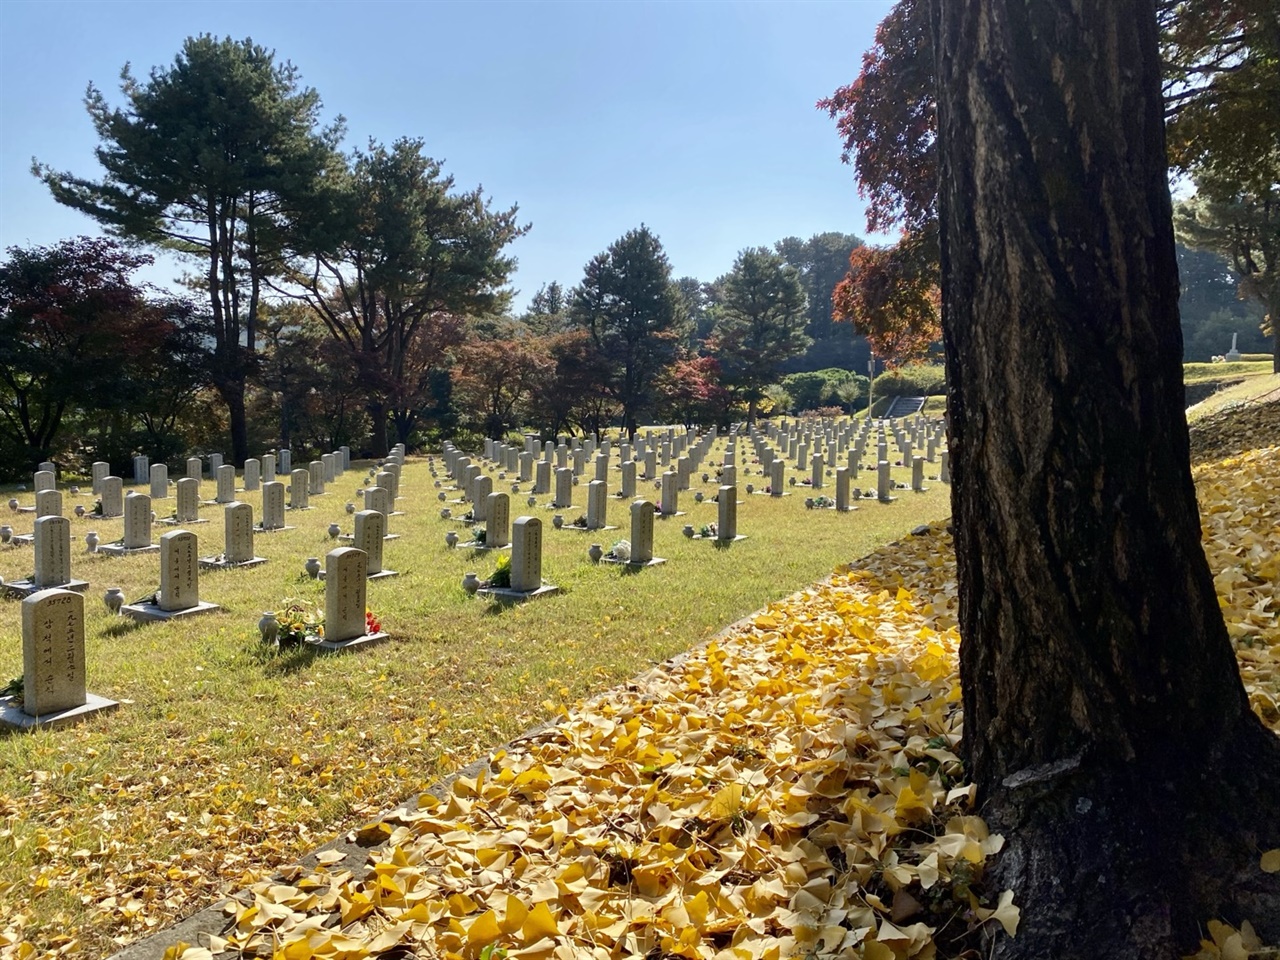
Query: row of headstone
[[54, 688]]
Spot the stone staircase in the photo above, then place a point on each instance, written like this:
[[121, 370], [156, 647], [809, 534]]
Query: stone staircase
[[904, 407]]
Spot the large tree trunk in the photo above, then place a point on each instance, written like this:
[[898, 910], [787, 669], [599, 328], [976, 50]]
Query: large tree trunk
[[1106, 725], [1273, 315], [378, 428], [232, 392]]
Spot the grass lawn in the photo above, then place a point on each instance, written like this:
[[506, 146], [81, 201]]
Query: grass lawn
[[226, 760], [1201, 372], [1257, 388]]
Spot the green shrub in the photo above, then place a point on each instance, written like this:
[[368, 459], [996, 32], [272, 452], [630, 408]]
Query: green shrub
[[822, 388], [919, 380]]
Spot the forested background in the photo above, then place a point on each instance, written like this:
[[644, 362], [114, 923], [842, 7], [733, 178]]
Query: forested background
[[362, 296]]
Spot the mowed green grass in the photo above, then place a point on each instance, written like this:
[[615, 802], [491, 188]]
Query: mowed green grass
[[226, 759], [1202, 372]]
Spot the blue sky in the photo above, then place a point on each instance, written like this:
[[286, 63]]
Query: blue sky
[[694, 118]]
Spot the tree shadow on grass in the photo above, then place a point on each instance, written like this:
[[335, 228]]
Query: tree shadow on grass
[[122, 626], [284, 661]]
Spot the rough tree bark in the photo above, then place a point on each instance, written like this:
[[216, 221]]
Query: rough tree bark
[[1106, 725]]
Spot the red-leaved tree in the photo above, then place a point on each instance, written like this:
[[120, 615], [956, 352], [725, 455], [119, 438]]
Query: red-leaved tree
[[887, 125]]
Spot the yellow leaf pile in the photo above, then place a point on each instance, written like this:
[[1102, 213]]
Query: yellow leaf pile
[[1252, 425], [1240, 519], [788, 790]]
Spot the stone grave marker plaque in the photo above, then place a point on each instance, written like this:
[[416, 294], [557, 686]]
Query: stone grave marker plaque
[[299, 490], [226, 484]]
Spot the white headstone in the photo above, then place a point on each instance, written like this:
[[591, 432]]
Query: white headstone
[[188, 500], [238, 529], [818, 476], [159, 481], [215, 461], [195, 468], [641, 531], [670, 493], [597, 504], [53, 675], [526, 554], [481, 487], [628, 484], [272, 505], [378, 498], [884, 484], [564, 488], [917, 474], [112, 494], [137, 521], [252, 474], [284, 462], [268, 467], [727, 526], [179, 571], [497, 526], [299, 497], [226, 484], [48, 504], [345, 587], [842, 489], [392, 469], [141, 469], [100, 469], [53, 552], [316, 472], [542, 481], [44, 480], [371, 527]]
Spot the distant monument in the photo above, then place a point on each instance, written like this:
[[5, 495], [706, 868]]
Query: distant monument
[[1233, 354]]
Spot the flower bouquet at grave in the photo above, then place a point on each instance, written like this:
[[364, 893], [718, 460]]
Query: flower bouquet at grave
[[300, 622], [580, 521], [478, 536], [149, 598], [708, 530], [97, 508], [371, 623], [620, 551], [501, 576]]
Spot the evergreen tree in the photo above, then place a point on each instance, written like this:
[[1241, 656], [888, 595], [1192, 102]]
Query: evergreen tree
[[394, 265], [209, 157], [759, 325], [630, 308]]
